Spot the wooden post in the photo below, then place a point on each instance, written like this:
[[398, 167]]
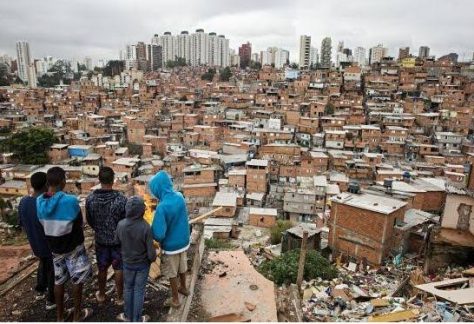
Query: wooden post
[[301, 263]]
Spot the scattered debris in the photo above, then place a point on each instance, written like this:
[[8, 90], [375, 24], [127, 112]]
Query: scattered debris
[[388, 294], [403, 315]]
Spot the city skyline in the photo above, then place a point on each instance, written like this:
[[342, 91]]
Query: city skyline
[[93, 35]]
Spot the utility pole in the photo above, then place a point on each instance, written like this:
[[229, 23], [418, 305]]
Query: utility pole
[[301, 263]]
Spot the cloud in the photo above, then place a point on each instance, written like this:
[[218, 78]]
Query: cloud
[[100, 28]]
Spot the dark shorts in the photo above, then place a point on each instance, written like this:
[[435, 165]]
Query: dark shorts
[[108, 255]]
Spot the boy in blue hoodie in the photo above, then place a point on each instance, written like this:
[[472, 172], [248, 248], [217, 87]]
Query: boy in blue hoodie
[[61, 217], [170, 227]]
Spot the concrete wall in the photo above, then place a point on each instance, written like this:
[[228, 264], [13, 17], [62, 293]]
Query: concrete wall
[[451, 211]]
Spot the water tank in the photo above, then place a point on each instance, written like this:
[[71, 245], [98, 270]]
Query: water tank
[[354, 187], [387, 183]]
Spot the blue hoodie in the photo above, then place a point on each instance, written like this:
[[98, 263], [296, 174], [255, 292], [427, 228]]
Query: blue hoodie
[[61, 218], [170, 224]]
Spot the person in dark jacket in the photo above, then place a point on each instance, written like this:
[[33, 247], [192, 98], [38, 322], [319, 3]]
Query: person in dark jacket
[[105, 207], [61, 217], [138, 252], [34, 232], [170, 228]]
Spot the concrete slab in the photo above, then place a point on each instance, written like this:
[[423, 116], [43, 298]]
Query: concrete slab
[[221, 295], [459, 291]]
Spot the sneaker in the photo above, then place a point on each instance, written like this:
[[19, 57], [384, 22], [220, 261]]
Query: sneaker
[[50, 305], [40, 296], [121, 318], [145, 318]]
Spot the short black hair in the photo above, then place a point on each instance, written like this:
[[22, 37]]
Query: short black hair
[[55, 176], [38, 181], [106, 175]]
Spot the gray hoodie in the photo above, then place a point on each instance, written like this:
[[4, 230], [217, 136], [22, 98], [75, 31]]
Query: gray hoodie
[[134, 234]]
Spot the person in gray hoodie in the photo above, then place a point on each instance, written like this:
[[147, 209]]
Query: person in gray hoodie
[[138, 252]]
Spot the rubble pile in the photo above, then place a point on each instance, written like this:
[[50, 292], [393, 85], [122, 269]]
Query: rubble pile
[[258, 254], [381, 295]]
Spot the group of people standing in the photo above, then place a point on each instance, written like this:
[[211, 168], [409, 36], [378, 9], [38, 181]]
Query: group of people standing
[[53, 223]]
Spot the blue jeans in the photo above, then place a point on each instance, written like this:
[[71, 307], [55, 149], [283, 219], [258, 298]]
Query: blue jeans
[[135, 277]]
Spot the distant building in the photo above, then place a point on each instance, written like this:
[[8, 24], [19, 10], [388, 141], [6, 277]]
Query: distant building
[[23, 59], [245, 54], [305, 51], [184, 46], [282, 57], [266, 58], [88, 63], [326, 52], [424, 52], [276, 56], [360, 56], [255, 57], [377, 53], [32, 80], [155, 57], [142, 56], [234, 59], [403, 53], [313, 57]]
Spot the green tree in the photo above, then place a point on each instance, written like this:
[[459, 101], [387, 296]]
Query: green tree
[[113, 67], [178, 61], [60, 71], [284, 269], [81, 67], [277, 230], [5, 77], [225, 74], [329, 109], [3, 207], [31, 146], [209, 75], [254, 65]]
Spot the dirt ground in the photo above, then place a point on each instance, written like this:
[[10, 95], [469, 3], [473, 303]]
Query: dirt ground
[[12, 259], [19, 304]]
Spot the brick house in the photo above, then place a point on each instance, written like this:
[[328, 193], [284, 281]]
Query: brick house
[[262, 217], [362, 225], [257, 175]]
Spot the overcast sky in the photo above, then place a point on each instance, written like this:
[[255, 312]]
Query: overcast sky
[[100, 28]]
